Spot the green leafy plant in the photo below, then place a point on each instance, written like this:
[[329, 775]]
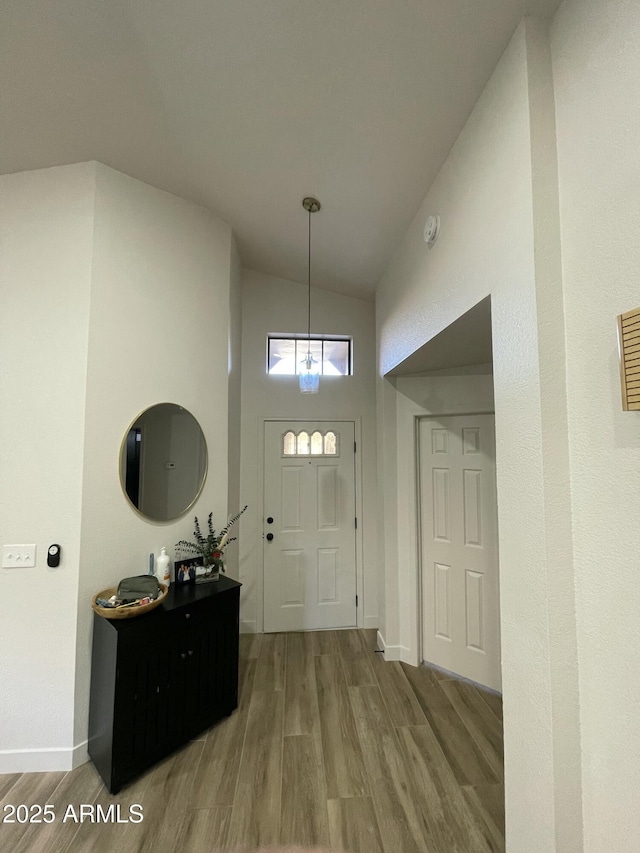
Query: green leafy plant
[[210, 546]]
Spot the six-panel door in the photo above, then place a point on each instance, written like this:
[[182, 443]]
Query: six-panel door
[[459, 547]]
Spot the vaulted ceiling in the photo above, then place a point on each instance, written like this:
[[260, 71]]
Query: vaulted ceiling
[[246, 106]]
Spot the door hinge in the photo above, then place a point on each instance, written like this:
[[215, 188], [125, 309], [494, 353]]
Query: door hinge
[[355, 447], [356, 521], [356, 600]]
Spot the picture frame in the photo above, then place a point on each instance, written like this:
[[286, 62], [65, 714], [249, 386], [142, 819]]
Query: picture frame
[[185, 570], [204, 574]]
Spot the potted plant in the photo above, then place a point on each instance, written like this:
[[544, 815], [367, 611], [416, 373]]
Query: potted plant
[[211, 546]]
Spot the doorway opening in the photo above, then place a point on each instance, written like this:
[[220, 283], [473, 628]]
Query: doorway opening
[[448, 377]]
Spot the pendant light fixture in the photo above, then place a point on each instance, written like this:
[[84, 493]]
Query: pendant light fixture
[[309, 367]]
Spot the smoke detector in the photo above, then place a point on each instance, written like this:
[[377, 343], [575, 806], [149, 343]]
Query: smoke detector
[[431, 230]]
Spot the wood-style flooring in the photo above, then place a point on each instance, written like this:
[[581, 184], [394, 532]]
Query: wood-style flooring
[[331, 747]]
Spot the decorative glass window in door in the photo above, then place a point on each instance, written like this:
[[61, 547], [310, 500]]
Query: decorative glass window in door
[[317, 444]]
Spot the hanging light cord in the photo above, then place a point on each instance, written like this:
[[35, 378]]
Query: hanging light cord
[[309, 288], [311, 205]]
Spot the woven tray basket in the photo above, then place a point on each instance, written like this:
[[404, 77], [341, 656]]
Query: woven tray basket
[[126, 612]]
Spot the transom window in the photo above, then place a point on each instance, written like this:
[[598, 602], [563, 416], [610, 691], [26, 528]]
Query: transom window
[[316, 444], [285, 354]]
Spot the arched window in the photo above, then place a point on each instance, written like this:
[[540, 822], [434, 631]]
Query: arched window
[[289, 444], [330, 444], [316, 443], [302, 444]]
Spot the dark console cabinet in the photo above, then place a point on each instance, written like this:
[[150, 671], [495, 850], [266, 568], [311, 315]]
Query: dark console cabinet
[[158, 680]]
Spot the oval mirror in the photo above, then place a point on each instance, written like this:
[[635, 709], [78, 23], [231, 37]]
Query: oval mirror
[[163, 462]]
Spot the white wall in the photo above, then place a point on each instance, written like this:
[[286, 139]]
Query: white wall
[[273, 305], [158, 332], [596, 68], [499, 236], [115, 296], [46, 232], [450, 391]]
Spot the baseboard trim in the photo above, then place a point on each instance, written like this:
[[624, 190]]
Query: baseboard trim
[[248, 626], [407, 656], [454, 676], [392, 652], [80, 754], [35, 760]]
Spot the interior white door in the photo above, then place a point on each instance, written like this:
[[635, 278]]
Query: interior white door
[[309, 526], [459, 547]]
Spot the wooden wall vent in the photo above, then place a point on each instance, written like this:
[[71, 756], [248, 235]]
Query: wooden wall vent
[[629, 350]]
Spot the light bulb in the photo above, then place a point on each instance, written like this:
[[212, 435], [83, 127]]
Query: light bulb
[[309, 375]]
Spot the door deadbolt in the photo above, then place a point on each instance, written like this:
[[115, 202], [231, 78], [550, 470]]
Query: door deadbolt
[[269, 537], [270, 520]]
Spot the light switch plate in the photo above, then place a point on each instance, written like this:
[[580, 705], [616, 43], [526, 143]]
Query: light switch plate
[[18, 556]]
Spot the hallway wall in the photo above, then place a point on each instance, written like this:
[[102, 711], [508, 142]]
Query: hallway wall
[[115, 296], [499, 236], [46, 221], [158, 332], [596, 69]]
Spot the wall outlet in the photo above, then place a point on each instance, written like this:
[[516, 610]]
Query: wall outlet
[[18, 556]]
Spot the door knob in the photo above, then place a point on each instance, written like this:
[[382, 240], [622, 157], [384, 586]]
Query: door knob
[[270, 520], [269, 537]]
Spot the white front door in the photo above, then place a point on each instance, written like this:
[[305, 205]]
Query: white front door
[[309, 526], [459, 547]]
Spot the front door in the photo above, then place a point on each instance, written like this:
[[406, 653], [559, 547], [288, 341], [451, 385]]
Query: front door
[[459, 547], [309, 526]]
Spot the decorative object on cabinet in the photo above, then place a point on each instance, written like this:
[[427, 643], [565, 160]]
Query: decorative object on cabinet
[[162, 570], [137, 587], [143, 704], [210, 547], [185, 569], [125, 611], [163, 462]]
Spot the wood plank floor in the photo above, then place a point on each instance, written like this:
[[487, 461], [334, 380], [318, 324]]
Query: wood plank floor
[[331, 748]]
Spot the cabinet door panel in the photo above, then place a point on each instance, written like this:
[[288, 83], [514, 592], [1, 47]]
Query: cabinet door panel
[[142, 713]]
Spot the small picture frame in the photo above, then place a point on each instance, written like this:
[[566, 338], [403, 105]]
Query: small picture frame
[[206, 574], [184, 571]]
